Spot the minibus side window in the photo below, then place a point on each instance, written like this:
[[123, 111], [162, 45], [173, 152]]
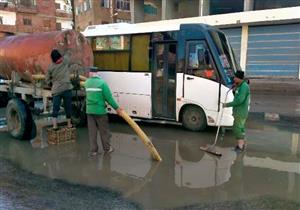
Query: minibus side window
[[200, 62]]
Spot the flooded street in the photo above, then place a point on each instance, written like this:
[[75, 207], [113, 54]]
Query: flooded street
[[266, 176]]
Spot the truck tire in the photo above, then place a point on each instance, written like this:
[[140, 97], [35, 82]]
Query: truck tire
[[193, 118], [19, 119]]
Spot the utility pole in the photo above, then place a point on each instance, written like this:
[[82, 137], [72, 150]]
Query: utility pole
[[72, 3]]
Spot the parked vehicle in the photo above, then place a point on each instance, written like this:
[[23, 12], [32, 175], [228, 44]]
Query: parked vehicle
[[26, 56], [166, 71]]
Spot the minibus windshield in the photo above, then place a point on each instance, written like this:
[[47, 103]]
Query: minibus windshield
[[225, 54]]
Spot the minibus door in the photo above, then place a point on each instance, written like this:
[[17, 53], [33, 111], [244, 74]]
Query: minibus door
[[164, 81]]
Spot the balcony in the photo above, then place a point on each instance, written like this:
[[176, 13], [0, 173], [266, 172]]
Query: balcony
[[63, 13], [27, 8]]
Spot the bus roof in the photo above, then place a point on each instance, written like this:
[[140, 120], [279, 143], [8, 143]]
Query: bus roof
[[127, 28], [225, 20], [139, 28]]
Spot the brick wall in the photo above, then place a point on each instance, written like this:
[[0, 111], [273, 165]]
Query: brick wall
[[39, 18], [97, 15]]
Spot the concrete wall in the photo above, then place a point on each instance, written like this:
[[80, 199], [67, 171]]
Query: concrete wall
[[169, 9], [188, 8], [137, 11]]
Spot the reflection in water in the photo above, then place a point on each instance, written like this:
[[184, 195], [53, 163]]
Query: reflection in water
[[209, 171], [293, 167], [295, 146], [128, 169], [270, 167]]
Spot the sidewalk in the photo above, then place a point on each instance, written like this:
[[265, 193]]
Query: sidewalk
[[275, 100], [275, 86]]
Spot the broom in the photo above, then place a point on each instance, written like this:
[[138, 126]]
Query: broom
[[211, 148]]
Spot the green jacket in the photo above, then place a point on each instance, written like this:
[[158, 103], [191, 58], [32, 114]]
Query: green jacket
[[97, 93], [241, 101]]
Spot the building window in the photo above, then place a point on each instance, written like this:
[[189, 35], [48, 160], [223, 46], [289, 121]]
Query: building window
[[1, 20], [273, 4], [58, 26], [150, 9], [77, 11], [27, 22], [57, 5], [27, 3], [123, 5], [85, 6], [105, 3], [89, 4], [228, 6]]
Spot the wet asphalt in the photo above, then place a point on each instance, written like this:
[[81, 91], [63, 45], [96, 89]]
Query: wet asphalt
[[266, 176]]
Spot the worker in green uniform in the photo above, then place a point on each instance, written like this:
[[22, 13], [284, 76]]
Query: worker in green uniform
[[97, 95], [240, 106]]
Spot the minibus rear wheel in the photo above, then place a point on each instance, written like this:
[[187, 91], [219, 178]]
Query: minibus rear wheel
[[193, 118]]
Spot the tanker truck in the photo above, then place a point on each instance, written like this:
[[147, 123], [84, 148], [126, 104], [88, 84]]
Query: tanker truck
[[24, 61]]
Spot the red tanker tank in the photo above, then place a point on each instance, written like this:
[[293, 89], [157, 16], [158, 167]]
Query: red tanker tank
[[30, 54]]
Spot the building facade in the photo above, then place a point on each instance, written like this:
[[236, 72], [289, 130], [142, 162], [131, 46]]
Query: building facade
[[265, 34], [94, 12], [29, 16]]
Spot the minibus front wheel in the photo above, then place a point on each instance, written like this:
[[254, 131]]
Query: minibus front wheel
[[193, 118]]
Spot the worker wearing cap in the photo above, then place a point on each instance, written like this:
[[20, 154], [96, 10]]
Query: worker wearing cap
[[97, 95], [240, 106]]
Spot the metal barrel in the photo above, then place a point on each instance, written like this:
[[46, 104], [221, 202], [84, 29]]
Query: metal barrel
[[30, 54]]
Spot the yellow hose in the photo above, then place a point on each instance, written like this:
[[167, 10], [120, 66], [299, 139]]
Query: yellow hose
[[142, 136], [38, 76], [42, 76]]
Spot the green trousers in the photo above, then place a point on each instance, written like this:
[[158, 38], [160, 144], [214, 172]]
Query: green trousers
[[239, 127]]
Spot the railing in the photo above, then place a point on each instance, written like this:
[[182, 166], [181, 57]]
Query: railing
[[26, 8]]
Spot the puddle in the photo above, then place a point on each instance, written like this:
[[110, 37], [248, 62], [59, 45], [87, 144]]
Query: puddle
[[186, 176]]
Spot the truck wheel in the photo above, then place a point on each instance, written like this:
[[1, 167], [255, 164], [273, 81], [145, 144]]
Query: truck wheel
[[19, 119], [193, 118], [78, 116]]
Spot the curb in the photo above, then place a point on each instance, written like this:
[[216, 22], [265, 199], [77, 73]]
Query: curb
[[275, 117]]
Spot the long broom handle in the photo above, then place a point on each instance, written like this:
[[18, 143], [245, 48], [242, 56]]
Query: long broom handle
[[220, 119], [142, 135]]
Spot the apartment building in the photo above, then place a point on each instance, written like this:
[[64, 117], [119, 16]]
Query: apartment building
[[93, 12], [29, 16]]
